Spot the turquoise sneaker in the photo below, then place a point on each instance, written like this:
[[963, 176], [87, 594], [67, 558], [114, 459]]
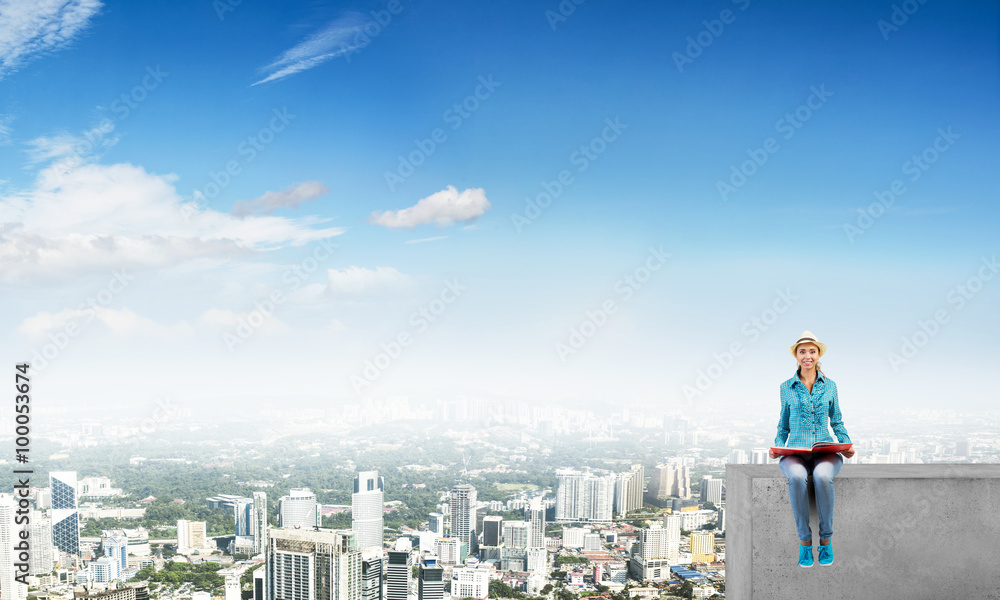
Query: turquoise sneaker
[[826, 554], [805, 556]]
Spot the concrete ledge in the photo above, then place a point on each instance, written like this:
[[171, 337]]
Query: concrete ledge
[[900, 531]]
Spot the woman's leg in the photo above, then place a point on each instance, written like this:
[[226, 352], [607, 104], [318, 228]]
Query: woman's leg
[[825, 467], [794, 468]]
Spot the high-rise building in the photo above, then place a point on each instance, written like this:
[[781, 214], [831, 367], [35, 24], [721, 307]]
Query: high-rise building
[[536, 531], [430, 579], [738, 457], [671, 479], [536, 560], [702, 546], [711, 490], [313, 564], [299, 510], [366, 509], [655, 551], [435, 523], [720, 519], [516, 534], [584, 497], [243, 509], [628, 490], [397, 571], [371, 574], [65, 515], [463, 514], [492, 530], [191, 535], [258, 522], [758, 456], [963, 448], [9, 586], [115, 547], [40, 561], [572, 537]]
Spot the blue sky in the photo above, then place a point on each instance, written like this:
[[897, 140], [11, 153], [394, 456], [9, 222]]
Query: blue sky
[[118, 122]]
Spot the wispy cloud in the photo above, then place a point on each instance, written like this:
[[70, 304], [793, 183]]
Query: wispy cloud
[[5, 121], [430, 239], [444, 208], [288, 198], [339, 37], [29, 29]]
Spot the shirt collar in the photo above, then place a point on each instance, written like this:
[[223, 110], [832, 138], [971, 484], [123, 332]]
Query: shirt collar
[[819, 378]]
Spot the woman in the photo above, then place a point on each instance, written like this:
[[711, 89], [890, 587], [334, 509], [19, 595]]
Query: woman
[[809, 406]]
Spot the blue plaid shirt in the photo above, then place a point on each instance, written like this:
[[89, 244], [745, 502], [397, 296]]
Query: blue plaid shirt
[[806, 417]]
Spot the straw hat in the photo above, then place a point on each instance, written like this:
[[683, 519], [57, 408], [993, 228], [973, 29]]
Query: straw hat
[[807, 336]]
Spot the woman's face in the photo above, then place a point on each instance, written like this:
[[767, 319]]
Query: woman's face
[[807, 354]]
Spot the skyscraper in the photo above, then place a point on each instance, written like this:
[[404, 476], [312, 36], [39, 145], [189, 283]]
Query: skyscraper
[[65, 518], [366, 509], [584, 497], [536, 533], [115, 547], [671, 479], [711, 490], [41, 544], [191, 535], [628, 490], [430, 579], [397, 572], [463, 514], [299, 510], [9, 587], [371, 574], [435, 523], [313, 564], [258, 522], [492, 530], [244, 516]]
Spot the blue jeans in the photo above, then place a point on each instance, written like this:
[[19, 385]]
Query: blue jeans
[[823, 468]]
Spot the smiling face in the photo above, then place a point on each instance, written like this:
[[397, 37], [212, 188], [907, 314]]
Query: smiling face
[[807, 355]]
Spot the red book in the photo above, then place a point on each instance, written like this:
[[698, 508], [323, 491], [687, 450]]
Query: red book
[[816, 449]]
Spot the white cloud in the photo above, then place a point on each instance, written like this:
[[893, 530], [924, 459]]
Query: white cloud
[[28, 29], [444, 208], [221, 320], [124, 322], [71, 149], [5, 121], [335, 325], [80, 216], [359, 281], [288, 198], [430, 239], [338, 38]]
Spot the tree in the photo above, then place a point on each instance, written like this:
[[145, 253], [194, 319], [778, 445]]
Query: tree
[[546, 589]]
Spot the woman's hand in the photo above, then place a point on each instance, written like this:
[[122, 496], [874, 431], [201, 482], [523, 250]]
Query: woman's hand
[[848, 453], [772, 454]]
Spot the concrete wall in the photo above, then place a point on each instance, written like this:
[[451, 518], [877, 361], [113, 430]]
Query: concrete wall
[[900, 531]]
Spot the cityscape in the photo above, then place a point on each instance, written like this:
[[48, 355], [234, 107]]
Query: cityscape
[[474, 500]]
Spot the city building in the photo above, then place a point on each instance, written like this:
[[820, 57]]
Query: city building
[[463, 515], [65, 512], [720, 519], [371, 574], [711, 490], [398, 572], [451, 551], [299, 509], [492, 530], [128, 591], [514, 559], [471, 580], [628, 490], [115, 548], [670, 479], [96, 487], [573, 537], [516, 534], [191, 535], [758, 456], [9, 538], [430, 579], [738, 457], [435, 523], [40, 561], [258, 522], [243, 510], [313, 564], [657, 548], [536, 560], [536, 531], [592, 542], [702, 546], [366, 509], [584, 497]]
